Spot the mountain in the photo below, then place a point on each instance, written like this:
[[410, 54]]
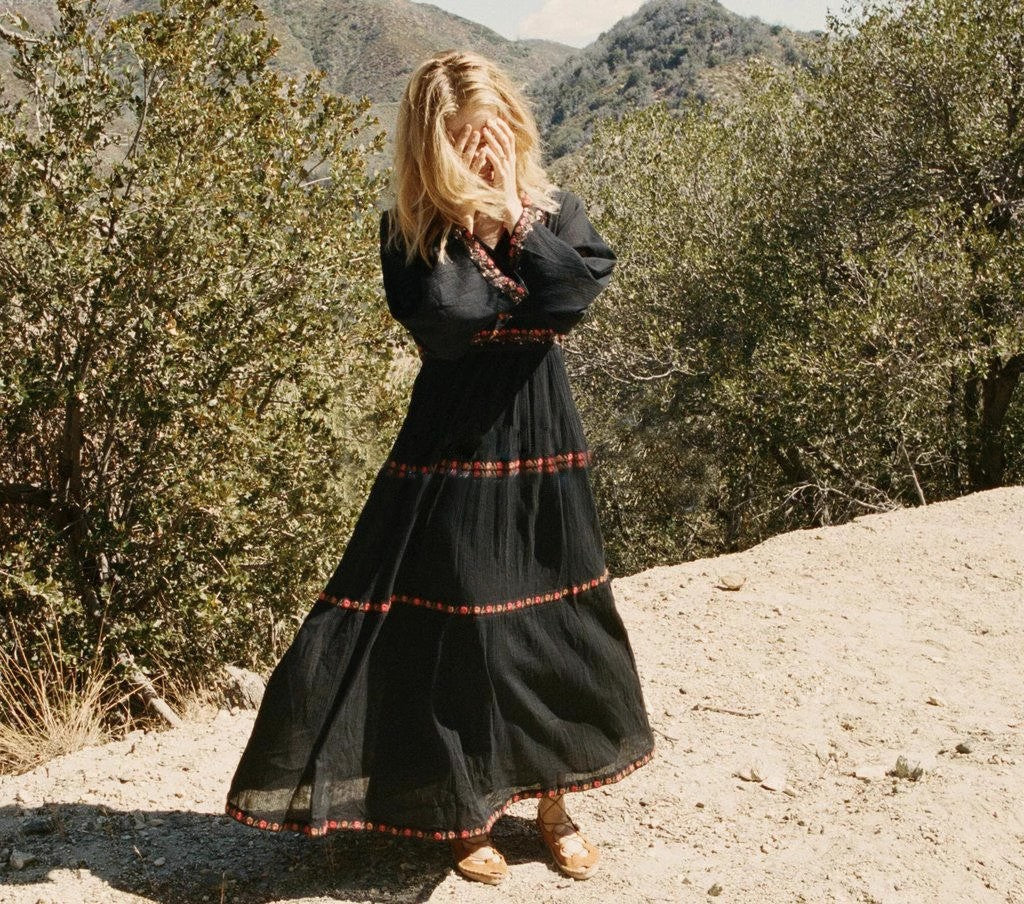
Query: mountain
[[366, 47], [372, 46], [668, 50]]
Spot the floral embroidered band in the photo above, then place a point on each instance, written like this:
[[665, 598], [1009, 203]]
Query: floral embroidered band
[[462, 467], [516, 334], [482, 258], [464, 609]]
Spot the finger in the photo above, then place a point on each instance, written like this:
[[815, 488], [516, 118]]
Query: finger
[[465, 139], [509, 134], [500, 136], [460, 138], [496, 143], [497, 165], [490, 154], [473, 147], [468, 143], [468, 157]]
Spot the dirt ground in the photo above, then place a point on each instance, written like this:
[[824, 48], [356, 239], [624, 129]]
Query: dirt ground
[[782, 710]]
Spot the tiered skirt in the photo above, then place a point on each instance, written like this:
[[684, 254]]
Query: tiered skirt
[[467, 652]]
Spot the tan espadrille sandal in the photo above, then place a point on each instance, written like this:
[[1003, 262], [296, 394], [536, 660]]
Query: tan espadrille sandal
[[573, 854], [477, 858]]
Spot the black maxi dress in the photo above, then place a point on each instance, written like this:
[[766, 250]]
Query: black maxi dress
[[467, 652]]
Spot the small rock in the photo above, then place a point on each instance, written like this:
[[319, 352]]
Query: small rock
[[749, 773], [935, 701], [715, 890], [242, 688], [731, 581], [963, 747], [160, 861], [21, 859]]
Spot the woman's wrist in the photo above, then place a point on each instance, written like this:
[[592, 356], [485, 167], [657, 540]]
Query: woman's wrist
[[513, 216]]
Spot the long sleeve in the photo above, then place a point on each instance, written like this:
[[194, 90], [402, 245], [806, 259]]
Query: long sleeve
[[435, 304], [563, 267]]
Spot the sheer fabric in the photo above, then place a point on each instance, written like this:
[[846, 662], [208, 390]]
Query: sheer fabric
[[466, 652]]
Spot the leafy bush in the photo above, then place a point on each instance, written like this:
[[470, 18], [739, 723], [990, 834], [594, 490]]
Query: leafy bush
[[819, 308], [192, 392]]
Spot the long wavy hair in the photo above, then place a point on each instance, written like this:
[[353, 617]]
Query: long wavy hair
[[433, 188]]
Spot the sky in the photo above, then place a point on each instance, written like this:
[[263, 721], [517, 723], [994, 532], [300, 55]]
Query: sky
[[578, 22]]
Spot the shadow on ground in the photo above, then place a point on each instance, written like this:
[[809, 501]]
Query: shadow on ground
[[177, 857]]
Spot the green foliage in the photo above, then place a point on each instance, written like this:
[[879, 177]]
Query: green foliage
[[192, 395], [819, 309]]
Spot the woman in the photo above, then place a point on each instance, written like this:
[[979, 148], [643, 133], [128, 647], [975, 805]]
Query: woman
[[467, 652]]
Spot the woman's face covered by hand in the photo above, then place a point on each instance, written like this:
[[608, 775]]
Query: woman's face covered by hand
[[465, 130]]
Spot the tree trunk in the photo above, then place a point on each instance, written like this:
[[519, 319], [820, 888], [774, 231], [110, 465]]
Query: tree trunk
[[987, 400]]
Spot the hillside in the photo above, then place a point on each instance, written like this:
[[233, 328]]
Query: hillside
[[897, 635], [669, 51], [365, 46]]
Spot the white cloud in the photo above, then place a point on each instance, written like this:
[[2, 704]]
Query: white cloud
[[575, 22]]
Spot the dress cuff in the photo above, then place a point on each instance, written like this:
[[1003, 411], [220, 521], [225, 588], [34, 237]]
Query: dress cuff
[[524, 226]]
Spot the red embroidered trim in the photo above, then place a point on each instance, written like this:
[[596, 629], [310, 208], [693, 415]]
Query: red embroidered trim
[[482, 258], [463, 467], [453, 609], [407, 832], [491, 271], [524, 226], [516, 334]]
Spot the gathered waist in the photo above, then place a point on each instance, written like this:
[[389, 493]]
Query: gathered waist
[[502, 336]]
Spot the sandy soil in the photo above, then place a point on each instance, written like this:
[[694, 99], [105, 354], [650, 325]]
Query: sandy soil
[[781, 708]]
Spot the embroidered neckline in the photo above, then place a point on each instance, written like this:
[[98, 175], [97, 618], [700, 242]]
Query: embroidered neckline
[[485, 262]]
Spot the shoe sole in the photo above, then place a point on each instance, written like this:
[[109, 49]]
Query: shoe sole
[[479, 877]]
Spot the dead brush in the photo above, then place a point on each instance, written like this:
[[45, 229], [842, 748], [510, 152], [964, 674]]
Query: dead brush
[[50, 707]]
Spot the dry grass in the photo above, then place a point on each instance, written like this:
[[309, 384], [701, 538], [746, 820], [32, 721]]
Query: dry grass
[[48, 707]]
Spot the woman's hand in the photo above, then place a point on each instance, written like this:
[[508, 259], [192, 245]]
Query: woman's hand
[[500, 151], [495, 149], [467, 143]]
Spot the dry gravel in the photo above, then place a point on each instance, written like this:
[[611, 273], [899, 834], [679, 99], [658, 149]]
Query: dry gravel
[[782, 710]]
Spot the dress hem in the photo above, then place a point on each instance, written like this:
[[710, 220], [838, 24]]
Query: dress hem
[[332, 825]]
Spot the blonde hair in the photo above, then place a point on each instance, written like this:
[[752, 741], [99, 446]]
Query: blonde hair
[[433, 188]]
